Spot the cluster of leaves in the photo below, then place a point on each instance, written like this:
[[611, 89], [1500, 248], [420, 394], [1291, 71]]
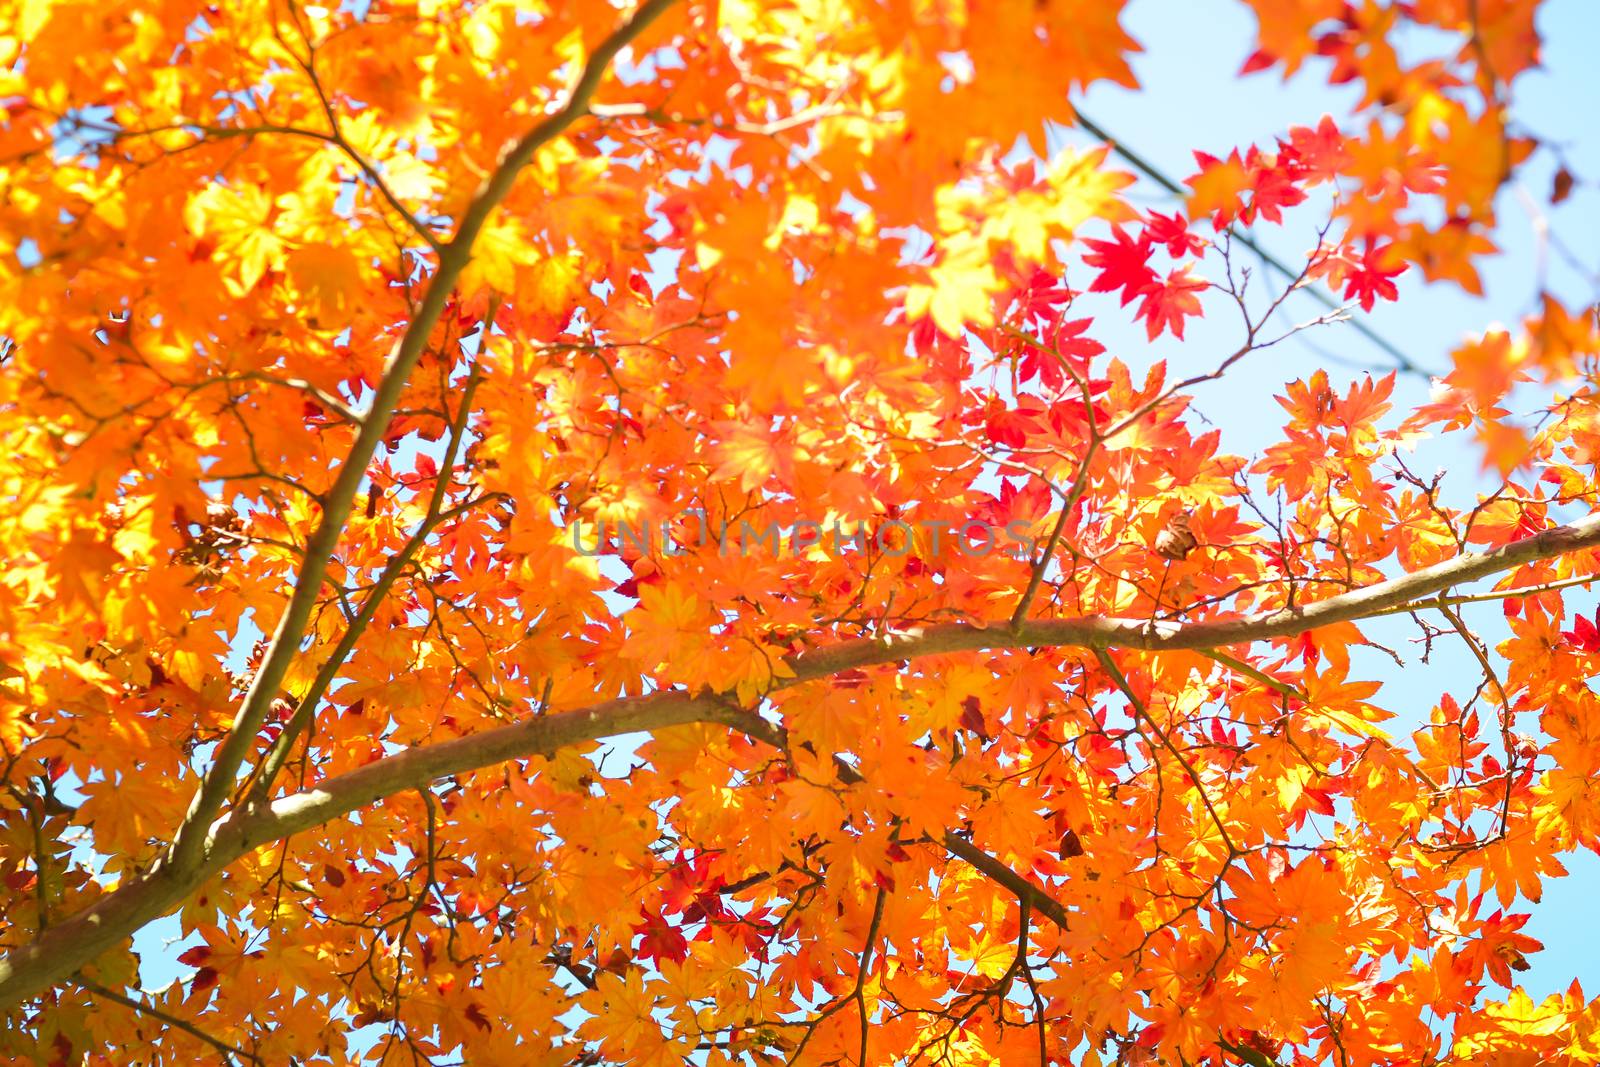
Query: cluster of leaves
[[327, 329]]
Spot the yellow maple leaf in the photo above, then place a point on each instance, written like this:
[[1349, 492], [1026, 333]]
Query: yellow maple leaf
[[959, 291]]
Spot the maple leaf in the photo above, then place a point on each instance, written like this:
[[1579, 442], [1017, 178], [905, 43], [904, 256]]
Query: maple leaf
[[1043, 296], [330, 278], [1063, 341], [1123, 262], [1319, 153], [659, 939], [1217, 189], [1446, 253], [1367, 276], [749, 455], [1273, 188], [238, 223], [1173, 232], [958, 292], [1585, 633], [1166, 303], [1285, 31]]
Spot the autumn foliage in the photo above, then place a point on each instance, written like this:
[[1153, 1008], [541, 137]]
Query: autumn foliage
[[333, 336]]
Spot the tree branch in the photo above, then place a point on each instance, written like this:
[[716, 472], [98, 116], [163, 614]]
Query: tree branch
[[29, 969], [220, 777], [437, 514], [754, 726], [229, 1052]]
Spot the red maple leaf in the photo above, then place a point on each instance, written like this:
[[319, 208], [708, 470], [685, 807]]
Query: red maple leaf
[[1260, 59], [195, 956], [1369, 277], [1166, 303], [972, 718], [1316, 154], [1010, 429], [1584, 635], [1124, 263], [1067, 340], [1173, 231], [1043, 295], [1273, 189], [660, 940]]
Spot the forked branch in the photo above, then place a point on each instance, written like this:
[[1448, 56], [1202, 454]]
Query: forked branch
[[30, 969]]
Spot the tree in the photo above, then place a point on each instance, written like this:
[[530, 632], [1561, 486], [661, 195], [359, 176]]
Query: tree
[[574, 533]]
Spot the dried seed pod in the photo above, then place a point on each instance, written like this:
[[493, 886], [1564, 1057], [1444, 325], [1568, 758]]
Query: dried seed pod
[[1176, 540]]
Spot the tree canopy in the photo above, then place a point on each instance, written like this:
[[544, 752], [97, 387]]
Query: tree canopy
[[601, 532]]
